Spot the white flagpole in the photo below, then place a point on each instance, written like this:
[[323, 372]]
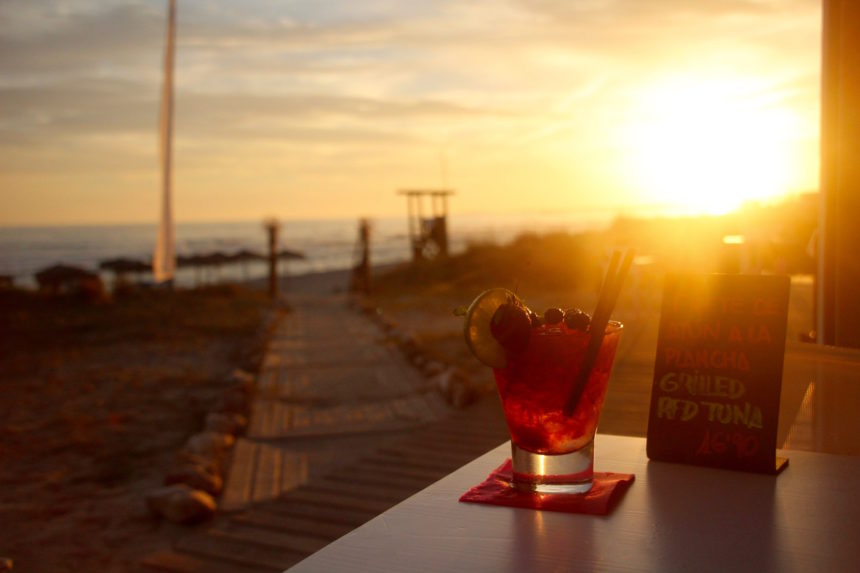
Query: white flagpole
[[164, 260]]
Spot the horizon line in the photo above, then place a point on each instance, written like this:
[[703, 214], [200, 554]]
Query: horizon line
[[614, 211]]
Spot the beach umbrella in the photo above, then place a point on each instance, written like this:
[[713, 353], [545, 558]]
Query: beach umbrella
[[287, 254], [243, 256], [55, 277], [197, 261], [122, 265], [60, 272], [247, 255], [215, 258], [189, 260], [290, 255], [193, 261]]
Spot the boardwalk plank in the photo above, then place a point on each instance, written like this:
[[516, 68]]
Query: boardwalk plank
[[218, 547], [175, 562], [291, 523], [336, 500], [267, 480], [428, 463], [264, 537], [240, 479], [324, 513], [294, 471], [372, 476], [439, 453], [465, 444], [409, 472], [363, 490]]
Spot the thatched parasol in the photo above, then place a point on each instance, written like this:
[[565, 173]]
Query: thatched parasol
[[58, 278], [287, 254], [122, 265], [216, 258], [245, 255], [189, 261], [61, 272]]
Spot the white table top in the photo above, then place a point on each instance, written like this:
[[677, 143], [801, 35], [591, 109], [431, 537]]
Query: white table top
[[673, 518]]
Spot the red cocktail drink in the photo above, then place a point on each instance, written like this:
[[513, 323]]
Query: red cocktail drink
[[552, 372], [552, 450]]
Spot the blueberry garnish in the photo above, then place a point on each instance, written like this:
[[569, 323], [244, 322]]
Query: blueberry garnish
[[575, 319], [553, 315]]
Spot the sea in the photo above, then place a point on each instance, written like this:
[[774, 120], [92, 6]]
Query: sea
[[327, 244]]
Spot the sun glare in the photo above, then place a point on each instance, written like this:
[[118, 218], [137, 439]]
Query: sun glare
[[708, 146]]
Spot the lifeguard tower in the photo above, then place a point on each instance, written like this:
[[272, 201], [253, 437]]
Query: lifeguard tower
[[427, 235]]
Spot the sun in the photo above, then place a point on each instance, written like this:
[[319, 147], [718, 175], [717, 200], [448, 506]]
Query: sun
[[706, 146]]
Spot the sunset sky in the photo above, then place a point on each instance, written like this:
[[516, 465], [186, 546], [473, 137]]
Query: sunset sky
[[323, 108]]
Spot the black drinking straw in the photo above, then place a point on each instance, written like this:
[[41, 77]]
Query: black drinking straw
[[605, 304]]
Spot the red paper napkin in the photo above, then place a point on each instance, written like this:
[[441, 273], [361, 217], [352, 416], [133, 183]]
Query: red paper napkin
[[607, 490]]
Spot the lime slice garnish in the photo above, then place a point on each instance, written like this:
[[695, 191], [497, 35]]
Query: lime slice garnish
[[476, 327]]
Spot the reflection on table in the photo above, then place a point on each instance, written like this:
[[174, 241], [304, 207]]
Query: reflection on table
[[820, 399], [673, 518]]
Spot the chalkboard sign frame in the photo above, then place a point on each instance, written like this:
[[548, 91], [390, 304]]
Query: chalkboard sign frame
[[718, 371]]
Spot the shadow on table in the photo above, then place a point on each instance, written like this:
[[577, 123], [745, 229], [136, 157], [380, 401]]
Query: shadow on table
[[738, 528]]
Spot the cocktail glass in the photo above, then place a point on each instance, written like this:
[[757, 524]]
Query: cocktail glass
[[553, 451]]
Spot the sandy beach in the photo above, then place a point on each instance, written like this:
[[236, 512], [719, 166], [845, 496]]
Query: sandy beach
[[97, 398]]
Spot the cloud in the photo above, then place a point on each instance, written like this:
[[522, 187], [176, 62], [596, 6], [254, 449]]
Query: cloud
[[625, 11], [350, 82], [239, 74], [78, 108], [121, 37]]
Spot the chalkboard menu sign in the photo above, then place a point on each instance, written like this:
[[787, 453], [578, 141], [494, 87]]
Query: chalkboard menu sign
[[718, 371]]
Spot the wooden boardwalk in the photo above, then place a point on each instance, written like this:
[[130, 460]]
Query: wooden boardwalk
[[329, 384], [342, 428]]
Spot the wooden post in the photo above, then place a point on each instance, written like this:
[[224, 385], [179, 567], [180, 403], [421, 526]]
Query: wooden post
[[271, 226], [360, 281], [839, 233], [413, 232]]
